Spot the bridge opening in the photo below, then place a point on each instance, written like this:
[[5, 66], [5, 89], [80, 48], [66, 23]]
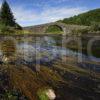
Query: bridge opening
[[54, 29]]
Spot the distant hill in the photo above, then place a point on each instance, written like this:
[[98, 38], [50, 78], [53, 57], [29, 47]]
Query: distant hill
[[84, 19]]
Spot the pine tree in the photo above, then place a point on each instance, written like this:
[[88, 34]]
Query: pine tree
[[6, 15]]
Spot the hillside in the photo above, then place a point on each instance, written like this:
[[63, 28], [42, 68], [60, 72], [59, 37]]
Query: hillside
[[84, 18], [78, 24]]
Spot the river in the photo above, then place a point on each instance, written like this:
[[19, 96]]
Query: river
[[45, 49]]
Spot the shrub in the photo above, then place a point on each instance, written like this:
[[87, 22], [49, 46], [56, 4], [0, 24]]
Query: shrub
[[95, 26], [79, 31], [54, 29], [6, 29], [42, 94]]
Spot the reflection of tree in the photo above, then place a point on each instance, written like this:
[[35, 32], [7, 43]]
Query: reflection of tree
[[8, 47]]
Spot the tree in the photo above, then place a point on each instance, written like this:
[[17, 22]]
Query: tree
[[6, 15], [7, 20]]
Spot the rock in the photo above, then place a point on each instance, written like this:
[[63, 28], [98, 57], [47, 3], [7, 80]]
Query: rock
[[51, 94], [5, 59]]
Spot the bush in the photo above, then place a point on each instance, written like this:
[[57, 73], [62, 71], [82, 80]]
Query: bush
[[54, 29], [5, 29], [80, 31], [42, 94], [84, 31], [95, 26]]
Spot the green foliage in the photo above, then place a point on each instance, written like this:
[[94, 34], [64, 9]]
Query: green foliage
[[54, 29], [7, 21], [84, 31], [18, 27], [5, 29], [42, 94], [6, 15], [43, 97], [9, 96], [84, 19], [80, 32], [95, 26]]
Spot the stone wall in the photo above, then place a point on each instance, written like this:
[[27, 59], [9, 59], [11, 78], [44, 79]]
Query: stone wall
[[41, 29]]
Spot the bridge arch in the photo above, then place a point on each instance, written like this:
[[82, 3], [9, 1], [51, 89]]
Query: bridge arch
[[54, 28]]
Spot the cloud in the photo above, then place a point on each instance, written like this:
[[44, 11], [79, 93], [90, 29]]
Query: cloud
[[30, 16], [60, 13], [0, 3], [50, 14], [24, 15]]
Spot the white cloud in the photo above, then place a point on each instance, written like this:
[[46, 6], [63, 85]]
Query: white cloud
[[0, 4], [47, 15], [24, 15], [59, 13]]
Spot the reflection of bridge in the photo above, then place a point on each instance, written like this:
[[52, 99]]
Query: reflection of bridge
[[41, 29]]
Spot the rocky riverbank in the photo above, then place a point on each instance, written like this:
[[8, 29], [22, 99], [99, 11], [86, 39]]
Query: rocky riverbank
[[63, 78]]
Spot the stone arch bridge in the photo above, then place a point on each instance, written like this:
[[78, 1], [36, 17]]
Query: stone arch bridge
[[41, 29]]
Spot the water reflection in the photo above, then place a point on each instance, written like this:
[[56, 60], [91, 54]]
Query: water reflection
[[7, 49], [43, 50]]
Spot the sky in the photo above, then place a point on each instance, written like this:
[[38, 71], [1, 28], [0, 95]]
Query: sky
[[34, 12]]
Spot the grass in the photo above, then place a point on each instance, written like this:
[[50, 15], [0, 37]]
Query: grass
[[42, 94], [33, 84], [29, 82]]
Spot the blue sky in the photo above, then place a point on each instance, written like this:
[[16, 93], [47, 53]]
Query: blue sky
[[33, 12]]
